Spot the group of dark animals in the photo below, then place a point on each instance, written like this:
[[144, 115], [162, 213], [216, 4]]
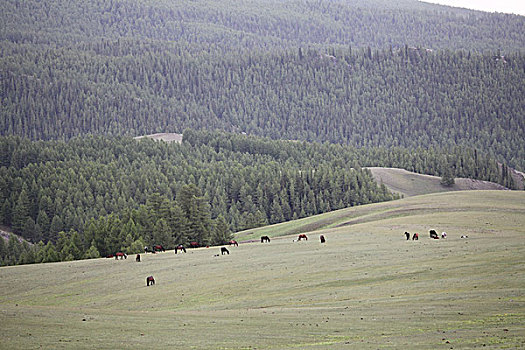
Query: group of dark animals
[[433, 235], [151, 281], [415, 237]]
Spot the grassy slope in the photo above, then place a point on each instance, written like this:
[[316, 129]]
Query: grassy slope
[[412, 184], [366, 287]]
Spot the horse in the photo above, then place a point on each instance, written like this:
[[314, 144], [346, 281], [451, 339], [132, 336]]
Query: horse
[[224, 251], [181, 248], [120, 255], [322, 239], [407, 235], [194, 244], [302, 236], [265, 239], [443, 234], [415, 237], [150, 280], [137, 259], [234, 242], [159, 248], [433, 234]]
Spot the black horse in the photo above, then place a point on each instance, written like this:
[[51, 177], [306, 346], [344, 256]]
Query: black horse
[[407, 235], [265, 239], [433, 234], [224, 251], [322, 239], [137, 259], [181, 248], [150, 280]]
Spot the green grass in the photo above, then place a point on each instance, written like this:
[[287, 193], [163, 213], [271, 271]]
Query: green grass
[[366, 288]]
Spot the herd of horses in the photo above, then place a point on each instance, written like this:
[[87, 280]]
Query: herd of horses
[[159, 248], [264, 239]]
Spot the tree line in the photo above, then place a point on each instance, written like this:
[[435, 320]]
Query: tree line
[[92, 196]]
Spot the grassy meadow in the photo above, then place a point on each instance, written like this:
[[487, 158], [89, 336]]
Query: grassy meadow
[[365, 288]]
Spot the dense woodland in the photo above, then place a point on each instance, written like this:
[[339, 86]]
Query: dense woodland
[[94, 196], [359, 73], [405, 84]]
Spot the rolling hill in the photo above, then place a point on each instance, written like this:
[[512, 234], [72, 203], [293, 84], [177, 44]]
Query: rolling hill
[[408, 183], [366, 287]]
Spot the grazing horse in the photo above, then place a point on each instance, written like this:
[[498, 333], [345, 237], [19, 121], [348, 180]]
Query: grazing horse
[[407, 235], [120, 255], [181, 248], [194, 244], [234, 242], [302, 236], [322, 239], [224, 251], [137, 259], [159, 248], [265, 239], [433, 234], [150, 280], [415, 237]]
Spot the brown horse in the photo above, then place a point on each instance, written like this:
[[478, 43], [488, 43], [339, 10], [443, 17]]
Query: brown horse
[[158, 248], [137, 259], [181, 248], [234, 242], [120, 255], [194, 244], [150, 280], [302, 236], [265, 239]]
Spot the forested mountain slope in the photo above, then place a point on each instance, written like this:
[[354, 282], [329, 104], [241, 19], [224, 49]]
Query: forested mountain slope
[[259, 24], [359, 72], [404, 97]]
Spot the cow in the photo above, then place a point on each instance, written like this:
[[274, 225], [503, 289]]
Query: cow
[[407, 235], [158, 248], [433, 234], [150, 280], [120, 255], [302, 236], [224, 251], [181, 248], [415, 237], [322, 239], [137, 259], [234, 242], [265, 239]]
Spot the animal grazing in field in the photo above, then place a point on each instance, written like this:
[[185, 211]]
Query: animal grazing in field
[[265, 239], [146, 250], [194, 244], [137, 259], [150, 280], [464, 236], [120, 255], [443, 234], [302, 236], [181, 248], [415, 237], [407, 235], [322, 239], [433, 234], [159, 248], [234, 242], [224, 251]]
